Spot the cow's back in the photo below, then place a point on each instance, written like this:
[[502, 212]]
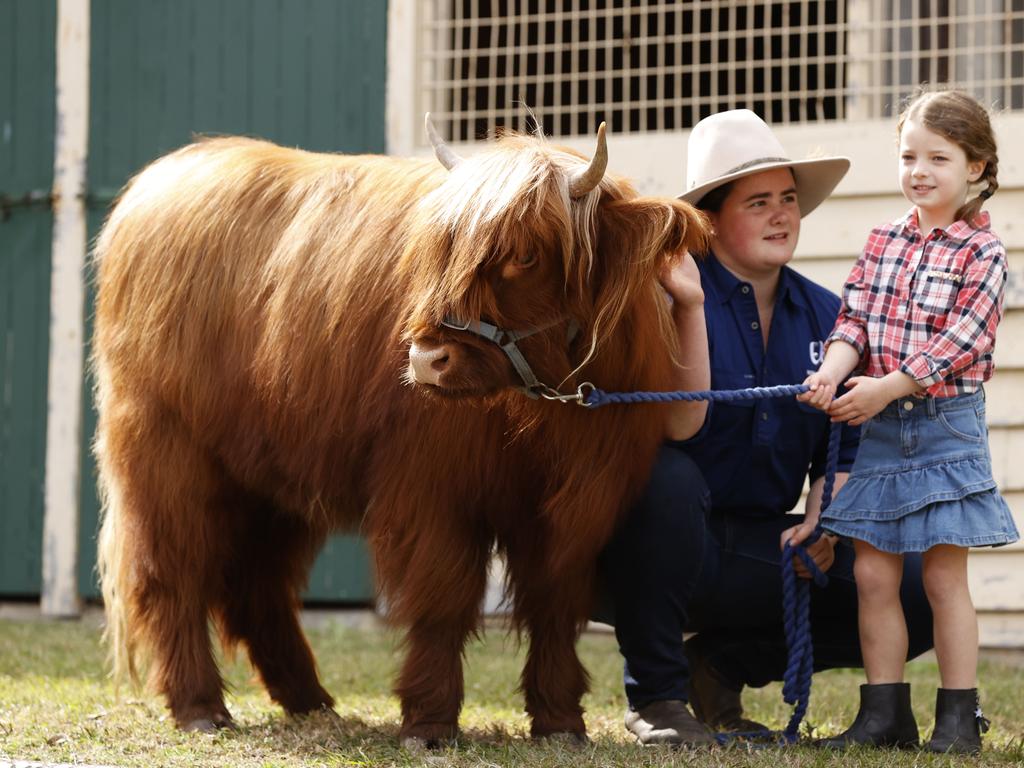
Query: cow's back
[[250, 291]]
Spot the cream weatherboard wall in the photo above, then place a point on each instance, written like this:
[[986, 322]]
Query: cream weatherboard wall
[[831, 239]]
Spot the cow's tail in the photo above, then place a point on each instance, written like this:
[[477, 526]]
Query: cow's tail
[[115, 574]]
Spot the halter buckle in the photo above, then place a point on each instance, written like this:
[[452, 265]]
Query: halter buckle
[[456, 324]]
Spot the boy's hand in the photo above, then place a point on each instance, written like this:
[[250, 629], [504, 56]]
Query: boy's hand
[[865, 398], [823, 389]]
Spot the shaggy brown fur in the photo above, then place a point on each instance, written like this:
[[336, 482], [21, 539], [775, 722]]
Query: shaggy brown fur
[[255, 310]]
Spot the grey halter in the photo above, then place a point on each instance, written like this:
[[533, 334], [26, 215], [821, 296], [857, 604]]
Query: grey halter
[[532, 386]]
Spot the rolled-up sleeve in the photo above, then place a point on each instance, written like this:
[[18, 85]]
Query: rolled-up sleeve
[[971, 330]]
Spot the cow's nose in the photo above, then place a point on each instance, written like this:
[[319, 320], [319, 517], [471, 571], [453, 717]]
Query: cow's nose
[[428, 363]]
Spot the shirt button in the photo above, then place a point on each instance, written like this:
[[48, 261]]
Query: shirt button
[[745, 289], [908, 406], [755, 325], [764, 416]]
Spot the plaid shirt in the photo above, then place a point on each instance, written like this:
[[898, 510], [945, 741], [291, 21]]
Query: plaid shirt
[[926, 306]]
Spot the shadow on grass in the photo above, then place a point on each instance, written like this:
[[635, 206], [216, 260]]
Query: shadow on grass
[[351, 740]]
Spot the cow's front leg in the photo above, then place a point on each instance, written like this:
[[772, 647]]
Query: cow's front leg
[[552, 609], [554, 680], [430, 685], [435, 588]]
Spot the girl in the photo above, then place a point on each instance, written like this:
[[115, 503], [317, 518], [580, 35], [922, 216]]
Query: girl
[[918, 320]]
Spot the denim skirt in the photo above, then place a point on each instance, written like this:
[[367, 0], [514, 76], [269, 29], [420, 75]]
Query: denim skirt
[[923, 476]]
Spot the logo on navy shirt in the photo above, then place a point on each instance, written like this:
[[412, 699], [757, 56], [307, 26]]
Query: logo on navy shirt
[[816, 350]]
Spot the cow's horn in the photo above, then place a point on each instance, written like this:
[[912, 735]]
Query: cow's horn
[[586, 179], [445, 154]]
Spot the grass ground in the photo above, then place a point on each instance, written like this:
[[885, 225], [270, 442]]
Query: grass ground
[[57, 705]]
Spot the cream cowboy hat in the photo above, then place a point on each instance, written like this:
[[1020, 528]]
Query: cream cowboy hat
[[730, 145]]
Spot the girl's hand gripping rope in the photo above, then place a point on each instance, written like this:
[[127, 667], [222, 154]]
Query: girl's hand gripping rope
[[821, 389]]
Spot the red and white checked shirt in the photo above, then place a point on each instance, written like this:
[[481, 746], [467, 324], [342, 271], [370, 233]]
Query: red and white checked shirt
[[926, 305]]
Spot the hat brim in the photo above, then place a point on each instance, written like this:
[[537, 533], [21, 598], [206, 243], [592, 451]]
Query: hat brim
[[815, 180]]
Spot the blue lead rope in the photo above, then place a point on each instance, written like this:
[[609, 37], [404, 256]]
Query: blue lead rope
[[796, 606], [598, 397], [796, 593]]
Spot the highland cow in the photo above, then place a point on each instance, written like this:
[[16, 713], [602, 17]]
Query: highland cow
[[289, 344]]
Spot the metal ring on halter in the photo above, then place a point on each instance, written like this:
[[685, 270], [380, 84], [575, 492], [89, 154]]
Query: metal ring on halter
[[584, 395], [578, 397]]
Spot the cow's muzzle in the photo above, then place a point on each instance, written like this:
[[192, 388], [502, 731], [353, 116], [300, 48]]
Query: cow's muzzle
[[429, 363]]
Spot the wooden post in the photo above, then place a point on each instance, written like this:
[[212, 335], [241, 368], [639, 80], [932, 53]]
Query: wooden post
[[67, 303], [860, 88], [403, 115]]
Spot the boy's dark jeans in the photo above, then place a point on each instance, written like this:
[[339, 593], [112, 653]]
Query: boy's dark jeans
[[675, 566]]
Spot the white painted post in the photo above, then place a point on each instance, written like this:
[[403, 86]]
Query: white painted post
[[67, 303], [860, 89], [403, 115]]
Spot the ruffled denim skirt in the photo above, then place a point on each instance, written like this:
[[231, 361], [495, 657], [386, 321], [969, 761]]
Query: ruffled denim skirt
[[923, 476]]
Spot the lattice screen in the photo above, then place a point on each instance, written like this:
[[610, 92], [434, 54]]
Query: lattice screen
[[648, 65]]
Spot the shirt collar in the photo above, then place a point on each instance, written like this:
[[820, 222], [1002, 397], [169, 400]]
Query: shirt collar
[[788, 288], [958, 231], [726, 284]]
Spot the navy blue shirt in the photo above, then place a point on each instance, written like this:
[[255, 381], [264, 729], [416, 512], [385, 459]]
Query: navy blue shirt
[[756, 455]]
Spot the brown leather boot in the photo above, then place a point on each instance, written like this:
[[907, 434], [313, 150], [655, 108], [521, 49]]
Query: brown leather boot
[[667, 722], [716, 703]]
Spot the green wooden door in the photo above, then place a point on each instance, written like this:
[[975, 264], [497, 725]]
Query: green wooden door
[[308, 73], [27, 72]]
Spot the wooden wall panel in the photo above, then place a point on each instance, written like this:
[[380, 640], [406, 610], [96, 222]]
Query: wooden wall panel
[[306, 73], [27, 76]]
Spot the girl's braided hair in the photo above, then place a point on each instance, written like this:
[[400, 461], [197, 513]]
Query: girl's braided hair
[[961, 119]]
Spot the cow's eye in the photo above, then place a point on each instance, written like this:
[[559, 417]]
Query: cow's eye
[[524, 260]]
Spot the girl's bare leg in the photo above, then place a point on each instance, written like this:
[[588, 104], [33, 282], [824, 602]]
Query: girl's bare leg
[[956, 623], [883, 629]]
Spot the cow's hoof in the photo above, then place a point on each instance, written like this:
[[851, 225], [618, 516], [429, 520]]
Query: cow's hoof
[[200, 725], [304, 702], [212, 724], [427, 735], [567, 739], [420, 744], [423, 737], [323, 711]]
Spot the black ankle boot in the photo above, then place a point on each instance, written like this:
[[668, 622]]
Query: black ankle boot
[[884, 720], [959, 722]]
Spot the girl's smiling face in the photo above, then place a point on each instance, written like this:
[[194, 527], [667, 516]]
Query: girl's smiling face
[[934, 174]]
